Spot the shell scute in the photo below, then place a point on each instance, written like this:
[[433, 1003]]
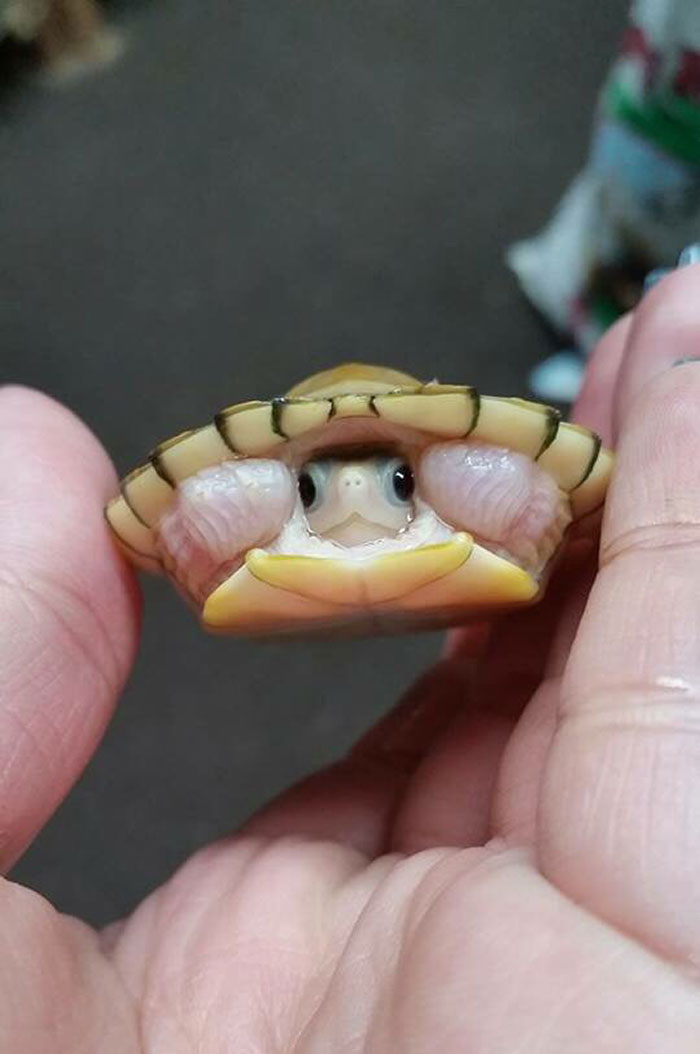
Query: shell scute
[[443, 410], [297, 416], [572, 455], [248, 429], [134, 538], [515, 423], [350, 405], [191, 451], [590, 494], [147, 494]]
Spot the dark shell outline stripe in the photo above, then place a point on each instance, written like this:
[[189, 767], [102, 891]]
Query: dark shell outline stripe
[[553, 422], [220, 423], [277, 405], [123, 490], [156, 455], [476, 411], [122, 541], [595, 454], [222, 417], [160, 469]]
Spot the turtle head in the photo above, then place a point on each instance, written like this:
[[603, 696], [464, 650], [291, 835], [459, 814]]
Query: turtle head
[[357, 498]]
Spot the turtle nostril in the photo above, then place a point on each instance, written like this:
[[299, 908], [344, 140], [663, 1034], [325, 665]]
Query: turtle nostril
[[352, 478]]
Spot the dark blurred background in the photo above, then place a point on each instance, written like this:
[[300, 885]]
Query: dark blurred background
[[255, 191]]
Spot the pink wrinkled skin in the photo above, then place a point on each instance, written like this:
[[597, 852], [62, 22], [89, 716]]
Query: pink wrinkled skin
[[501, 497], [218, 515]]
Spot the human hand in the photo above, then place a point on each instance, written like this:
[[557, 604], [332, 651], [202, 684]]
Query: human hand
[[507, 862]]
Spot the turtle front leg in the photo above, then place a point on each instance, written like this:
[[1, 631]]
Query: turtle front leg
[[219, 514], [501, 497]]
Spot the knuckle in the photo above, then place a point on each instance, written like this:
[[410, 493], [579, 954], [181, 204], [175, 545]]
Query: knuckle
[[656, 704]]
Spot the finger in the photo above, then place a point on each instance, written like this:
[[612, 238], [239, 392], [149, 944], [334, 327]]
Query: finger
[[663, 330], [619, 827], [594, 406], [446, 801], [545, 646], [355, 800], [517, 794], [68, 610]]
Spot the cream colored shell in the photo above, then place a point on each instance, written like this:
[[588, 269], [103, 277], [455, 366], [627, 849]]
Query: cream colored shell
[[571, 454]]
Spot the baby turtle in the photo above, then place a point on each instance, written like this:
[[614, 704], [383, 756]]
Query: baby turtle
[[363, 500]]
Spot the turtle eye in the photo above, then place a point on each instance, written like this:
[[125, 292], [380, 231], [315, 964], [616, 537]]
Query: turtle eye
[[311, 485], [307, 490], [399, 483]]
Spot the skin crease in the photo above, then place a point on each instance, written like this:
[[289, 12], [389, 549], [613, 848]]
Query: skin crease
[[502, 497], [506, 864], [218, 515]]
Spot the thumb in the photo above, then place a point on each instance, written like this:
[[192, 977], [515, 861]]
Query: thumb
[[68, 610]]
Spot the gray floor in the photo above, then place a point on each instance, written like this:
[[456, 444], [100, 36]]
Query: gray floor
[[255, 191]]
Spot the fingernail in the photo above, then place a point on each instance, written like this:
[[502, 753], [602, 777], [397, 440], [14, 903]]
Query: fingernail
[[690, 255], [688, 358], [654, 277]]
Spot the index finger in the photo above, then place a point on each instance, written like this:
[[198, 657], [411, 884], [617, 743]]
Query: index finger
[[68, 610], [619, 827]]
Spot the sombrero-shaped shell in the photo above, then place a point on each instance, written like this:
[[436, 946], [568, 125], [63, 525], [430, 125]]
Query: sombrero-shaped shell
[[310, 412]]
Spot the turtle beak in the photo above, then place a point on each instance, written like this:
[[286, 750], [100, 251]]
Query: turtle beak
[[274, 590]]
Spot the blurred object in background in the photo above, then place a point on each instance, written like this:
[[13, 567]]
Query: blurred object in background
[[635, 205], [70, 36]]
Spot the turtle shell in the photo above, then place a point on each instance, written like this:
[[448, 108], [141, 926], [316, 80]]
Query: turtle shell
[[430, 585]]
